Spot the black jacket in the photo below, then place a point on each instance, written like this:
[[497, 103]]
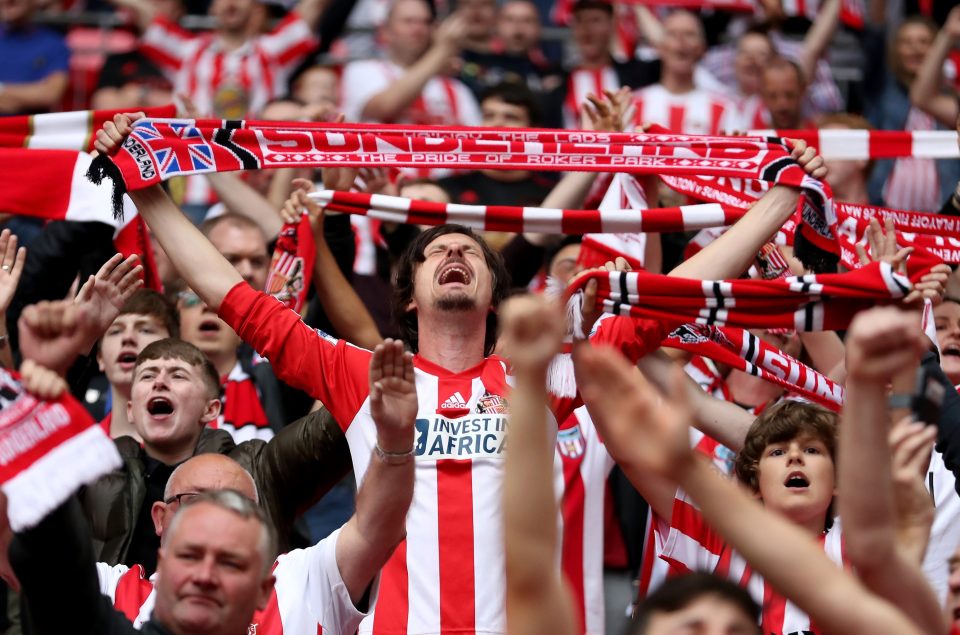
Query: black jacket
[[292, 471]]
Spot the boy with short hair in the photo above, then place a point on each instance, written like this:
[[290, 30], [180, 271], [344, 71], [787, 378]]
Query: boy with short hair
[[144, 318], [787, 462]]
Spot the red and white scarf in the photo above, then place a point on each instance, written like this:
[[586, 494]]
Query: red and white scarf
[[51, 184], [291, 268], [48, 449], [860, 145], [805, 303], [159, 149], [41, 179]]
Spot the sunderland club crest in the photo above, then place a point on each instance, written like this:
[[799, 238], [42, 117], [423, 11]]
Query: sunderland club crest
[[570, 442]]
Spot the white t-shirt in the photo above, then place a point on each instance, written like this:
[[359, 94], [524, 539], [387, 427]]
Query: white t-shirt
[[309, 595]]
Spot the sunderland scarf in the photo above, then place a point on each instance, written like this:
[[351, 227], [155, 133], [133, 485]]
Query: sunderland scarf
[[47, 450], [63, 130], [157, 150], [746, 352], [805, 303], [291, 268]]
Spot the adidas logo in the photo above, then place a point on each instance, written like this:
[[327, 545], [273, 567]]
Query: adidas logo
[[455, 400]]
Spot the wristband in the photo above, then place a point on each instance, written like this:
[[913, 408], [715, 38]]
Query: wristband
[[393, 458], [900, 400]]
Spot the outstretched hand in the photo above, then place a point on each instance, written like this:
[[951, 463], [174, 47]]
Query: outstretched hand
[[52, 334], [104, 294], [882, 240], [11, 266], [393, 396], [607, 112], [638, 423]]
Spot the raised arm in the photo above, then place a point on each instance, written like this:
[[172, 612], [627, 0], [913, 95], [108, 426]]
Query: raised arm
[[537, 601], [342, 305], [370, 536], [11, 266], [779, 550], [925, 92], [883, 345], [390, 103], [731, 254], [143, 11], [721, 420], [203, 267], [818, 37]]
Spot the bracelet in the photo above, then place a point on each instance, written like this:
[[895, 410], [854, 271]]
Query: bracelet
[[900, 400], [393, 458]]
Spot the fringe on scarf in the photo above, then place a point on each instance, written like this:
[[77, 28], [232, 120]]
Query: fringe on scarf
[[103, 168]]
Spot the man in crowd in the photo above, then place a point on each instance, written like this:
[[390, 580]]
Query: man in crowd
[[411, 85], [783, 91], [506, 105], [174, 398], [33, 77], [514, 55], [596, 72], [234, 70], [676, 102]]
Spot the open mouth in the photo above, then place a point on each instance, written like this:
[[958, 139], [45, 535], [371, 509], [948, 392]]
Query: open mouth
[[209, 326], [796, 480], [127, 358], [454, 274], [160, 406], [952, 350]]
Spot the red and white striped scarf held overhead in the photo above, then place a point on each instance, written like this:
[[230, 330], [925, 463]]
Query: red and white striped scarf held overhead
[[805, 303], [159, 149]]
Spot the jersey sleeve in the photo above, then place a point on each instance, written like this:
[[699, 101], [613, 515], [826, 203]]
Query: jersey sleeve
[[634, 337], [166, 44], [288, 43], [324, 367], [310, 590], [690, 543], [361, 81]]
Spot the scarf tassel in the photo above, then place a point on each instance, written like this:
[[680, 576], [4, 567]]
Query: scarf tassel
[[103, 167]]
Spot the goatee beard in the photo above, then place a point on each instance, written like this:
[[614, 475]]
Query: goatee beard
[[457, 302]]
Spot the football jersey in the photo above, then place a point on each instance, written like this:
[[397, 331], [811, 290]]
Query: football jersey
[[695, 112], [229, 84], [945, 533], [443, 101], [448, 575], [586, 466], [692, 545], [309, 595]]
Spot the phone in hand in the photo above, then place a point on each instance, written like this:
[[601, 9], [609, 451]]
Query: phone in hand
[[928, 397]]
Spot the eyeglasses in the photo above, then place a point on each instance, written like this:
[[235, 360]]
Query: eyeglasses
[[189, 299], [182, 498]]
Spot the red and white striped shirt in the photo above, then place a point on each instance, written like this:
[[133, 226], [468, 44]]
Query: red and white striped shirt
[[582, 82], [695, 112], [692, 545], [586, 466], [309, 595], [443, 101], [913, 183], [449, 573], [229, 84]]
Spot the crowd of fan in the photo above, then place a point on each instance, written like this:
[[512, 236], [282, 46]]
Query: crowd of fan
[[238, 424]]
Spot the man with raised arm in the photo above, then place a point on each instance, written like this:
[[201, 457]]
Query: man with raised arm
[[449, 573]]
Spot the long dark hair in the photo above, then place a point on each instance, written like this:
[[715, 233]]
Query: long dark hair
[[406, 319]]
